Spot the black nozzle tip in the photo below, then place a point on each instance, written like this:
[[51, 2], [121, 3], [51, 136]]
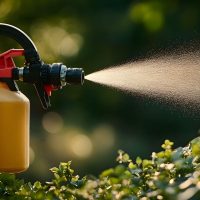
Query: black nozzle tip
[[75, 76]]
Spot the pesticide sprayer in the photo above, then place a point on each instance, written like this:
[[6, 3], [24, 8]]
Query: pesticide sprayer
[[14, 106]]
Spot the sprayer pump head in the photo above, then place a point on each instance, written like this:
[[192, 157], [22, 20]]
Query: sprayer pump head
[[51, 76], [45, 77], [56, 75]]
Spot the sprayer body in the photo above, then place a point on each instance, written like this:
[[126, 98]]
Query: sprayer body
[[14, 130], [14, 106]]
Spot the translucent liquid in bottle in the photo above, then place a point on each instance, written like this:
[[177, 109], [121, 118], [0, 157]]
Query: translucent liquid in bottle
[[14, 130]]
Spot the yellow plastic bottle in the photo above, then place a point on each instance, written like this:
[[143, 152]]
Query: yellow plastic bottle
[[14, 130]]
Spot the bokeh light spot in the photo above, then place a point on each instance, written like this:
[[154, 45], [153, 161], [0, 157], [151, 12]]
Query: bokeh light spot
[[52, 122], [5, 8], [70, 45], [103, 138], [54, 41], [72, 143], [81, 145], [153, 21], [148, 14], [31, 155]]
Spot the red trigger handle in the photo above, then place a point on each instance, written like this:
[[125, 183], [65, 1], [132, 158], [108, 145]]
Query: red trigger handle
[[7, 63]]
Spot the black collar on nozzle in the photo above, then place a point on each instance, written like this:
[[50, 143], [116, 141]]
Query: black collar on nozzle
[[45, 77]]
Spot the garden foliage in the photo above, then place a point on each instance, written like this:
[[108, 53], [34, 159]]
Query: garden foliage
[[168, 174]]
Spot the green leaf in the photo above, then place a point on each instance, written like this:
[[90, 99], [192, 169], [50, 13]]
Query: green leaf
[[107, 172], [138, 161], [37, 185]]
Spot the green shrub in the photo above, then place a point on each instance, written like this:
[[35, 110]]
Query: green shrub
[[169, 174]]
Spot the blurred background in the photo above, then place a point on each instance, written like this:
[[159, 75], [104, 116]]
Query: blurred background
[[89, 124]]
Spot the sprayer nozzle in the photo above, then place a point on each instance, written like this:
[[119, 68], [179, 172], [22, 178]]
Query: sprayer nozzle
[[74, 76]]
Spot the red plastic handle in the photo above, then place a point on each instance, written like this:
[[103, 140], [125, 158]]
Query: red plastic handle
[[7, 63]]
